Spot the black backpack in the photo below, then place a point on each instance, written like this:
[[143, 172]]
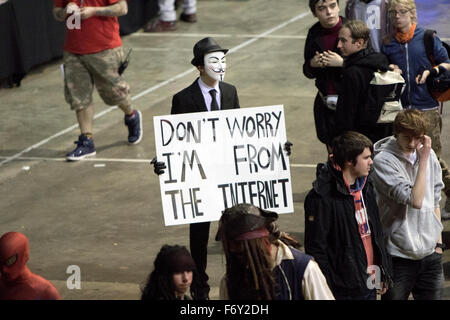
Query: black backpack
[[438, 86], [383, 97]]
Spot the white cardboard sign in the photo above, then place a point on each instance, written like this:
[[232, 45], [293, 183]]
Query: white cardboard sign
[[218, 159]]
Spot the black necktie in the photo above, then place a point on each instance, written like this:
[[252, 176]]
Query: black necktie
[[214, 105]]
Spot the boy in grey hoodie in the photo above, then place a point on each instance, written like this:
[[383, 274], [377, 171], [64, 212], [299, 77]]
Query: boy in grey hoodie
[[408, 182]]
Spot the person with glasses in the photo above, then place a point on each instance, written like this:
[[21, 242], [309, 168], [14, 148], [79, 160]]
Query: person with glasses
[[406, 49]]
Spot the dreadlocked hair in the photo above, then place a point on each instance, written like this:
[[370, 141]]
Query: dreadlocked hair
[[277, 234], [249, 271]]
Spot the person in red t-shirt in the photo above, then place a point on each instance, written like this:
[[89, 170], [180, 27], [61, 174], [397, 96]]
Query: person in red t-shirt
[[17, 282], [92, 56]]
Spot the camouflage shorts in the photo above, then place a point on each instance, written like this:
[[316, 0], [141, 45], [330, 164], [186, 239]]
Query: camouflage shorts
[[434, 128], [82, 72]]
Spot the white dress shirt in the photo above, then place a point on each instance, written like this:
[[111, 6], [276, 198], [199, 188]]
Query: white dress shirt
[[207, 96]]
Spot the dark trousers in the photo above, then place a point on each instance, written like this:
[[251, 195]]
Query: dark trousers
[[198, 242], [370, 295], [423, 278], [324, 121]]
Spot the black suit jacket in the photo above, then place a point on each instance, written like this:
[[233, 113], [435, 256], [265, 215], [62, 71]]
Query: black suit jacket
[[191, 99]]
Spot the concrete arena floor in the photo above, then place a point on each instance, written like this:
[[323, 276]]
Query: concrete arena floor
[[104, 215]]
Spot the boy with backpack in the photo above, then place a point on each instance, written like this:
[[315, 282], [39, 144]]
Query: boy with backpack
[[406, 49], [360, 63]]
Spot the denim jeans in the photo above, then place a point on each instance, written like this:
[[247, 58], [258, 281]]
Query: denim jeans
[[423, 278]]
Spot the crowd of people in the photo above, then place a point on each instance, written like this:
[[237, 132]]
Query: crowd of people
[[372, 218]]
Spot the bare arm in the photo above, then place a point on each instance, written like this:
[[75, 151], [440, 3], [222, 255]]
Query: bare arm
[[118, 9], [421, 78], [60, 14], [418, 190], [445, 65]]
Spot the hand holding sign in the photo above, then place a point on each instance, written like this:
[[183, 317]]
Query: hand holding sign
[[158, 166], [214, 160], [287, 147]]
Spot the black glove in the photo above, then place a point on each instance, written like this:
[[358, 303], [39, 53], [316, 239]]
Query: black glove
[[435, 71], [287, 147], [158, 166]]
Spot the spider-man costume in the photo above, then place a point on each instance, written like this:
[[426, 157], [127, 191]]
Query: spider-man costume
[[17, 282]]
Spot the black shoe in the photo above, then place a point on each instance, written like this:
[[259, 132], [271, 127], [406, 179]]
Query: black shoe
[[188, 17]]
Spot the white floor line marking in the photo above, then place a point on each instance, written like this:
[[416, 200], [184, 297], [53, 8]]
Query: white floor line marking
[[166, 49], [95, 159], [161, 49], [297, 165], [156, 87], [197, 35], [85, 159], [282, 25]]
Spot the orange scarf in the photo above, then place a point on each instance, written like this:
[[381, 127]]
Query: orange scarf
[[405, 37]]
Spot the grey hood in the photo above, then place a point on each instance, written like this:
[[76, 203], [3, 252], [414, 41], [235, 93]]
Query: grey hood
[[410, 233], [389, 144]]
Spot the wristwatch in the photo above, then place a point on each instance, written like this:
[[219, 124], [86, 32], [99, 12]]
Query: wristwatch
[[441, 245]]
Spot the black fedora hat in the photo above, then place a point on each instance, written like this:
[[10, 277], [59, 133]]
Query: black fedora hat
[[204, 46], [243, 218]]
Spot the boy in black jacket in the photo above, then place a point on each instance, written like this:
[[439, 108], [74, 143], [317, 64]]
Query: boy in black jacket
[[324, 64], [360, 63], [342, 227]]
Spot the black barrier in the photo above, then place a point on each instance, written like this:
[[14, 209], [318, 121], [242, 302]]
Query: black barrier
[[30, 36]]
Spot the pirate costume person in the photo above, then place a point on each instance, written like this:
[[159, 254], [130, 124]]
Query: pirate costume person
[[261, 261]]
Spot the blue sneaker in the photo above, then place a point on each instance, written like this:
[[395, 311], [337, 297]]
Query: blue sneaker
[[85, 148], [134, 124]]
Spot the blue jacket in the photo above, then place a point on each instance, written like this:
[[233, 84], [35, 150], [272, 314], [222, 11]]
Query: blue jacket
[[412, 60], [289, 276]]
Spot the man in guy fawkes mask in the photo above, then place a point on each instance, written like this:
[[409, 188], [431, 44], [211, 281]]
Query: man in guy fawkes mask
[[207, 93], [17, 282]]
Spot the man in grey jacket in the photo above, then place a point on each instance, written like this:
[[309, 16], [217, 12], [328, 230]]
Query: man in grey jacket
[[408, 182]]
